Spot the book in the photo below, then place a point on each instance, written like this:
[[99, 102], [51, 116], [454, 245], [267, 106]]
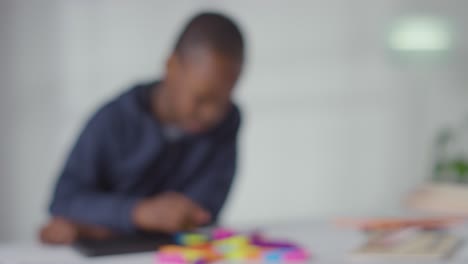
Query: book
[[410, 244]]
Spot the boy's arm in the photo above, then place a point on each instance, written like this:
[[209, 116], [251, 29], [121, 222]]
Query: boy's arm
[[78, 195], [213, 184]]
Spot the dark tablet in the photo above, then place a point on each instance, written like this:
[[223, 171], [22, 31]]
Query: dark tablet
[[122, 244]]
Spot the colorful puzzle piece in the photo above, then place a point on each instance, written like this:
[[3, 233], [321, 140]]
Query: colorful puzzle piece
[[285, 256], [227, 244], [222, 233], [257, 240], [191, 239]]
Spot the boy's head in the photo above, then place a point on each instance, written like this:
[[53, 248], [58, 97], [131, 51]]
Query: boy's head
[[202, 71]]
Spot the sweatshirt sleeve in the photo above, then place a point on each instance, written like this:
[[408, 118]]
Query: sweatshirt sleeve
[[79, 194]]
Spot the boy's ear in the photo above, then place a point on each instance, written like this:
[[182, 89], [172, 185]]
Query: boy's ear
[[171, 63]]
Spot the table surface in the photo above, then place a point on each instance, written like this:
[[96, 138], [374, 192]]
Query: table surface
[[327, 243]]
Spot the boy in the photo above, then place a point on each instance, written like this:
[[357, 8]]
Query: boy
[[161, 157]]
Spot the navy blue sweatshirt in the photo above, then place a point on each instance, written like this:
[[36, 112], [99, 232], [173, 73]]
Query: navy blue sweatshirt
[[122, 156]]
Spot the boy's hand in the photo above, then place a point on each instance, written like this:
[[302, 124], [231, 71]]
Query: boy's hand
[[169, 212], [58, 231], [62, 231]]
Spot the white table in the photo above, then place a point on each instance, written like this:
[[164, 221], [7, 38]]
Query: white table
[[327, 243]]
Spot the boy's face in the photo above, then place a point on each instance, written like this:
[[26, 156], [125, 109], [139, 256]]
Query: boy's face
[[199, 88]]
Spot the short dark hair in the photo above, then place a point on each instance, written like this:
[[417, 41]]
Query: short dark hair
[[214, 31]]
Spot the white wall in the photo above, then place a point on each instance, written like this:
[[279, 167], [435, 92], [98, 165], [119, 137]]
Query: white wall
[[334, 121], [29, 70]]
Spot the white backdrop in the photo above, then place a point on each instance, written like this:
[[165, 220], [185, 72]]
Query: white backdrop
[[334, 122]]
